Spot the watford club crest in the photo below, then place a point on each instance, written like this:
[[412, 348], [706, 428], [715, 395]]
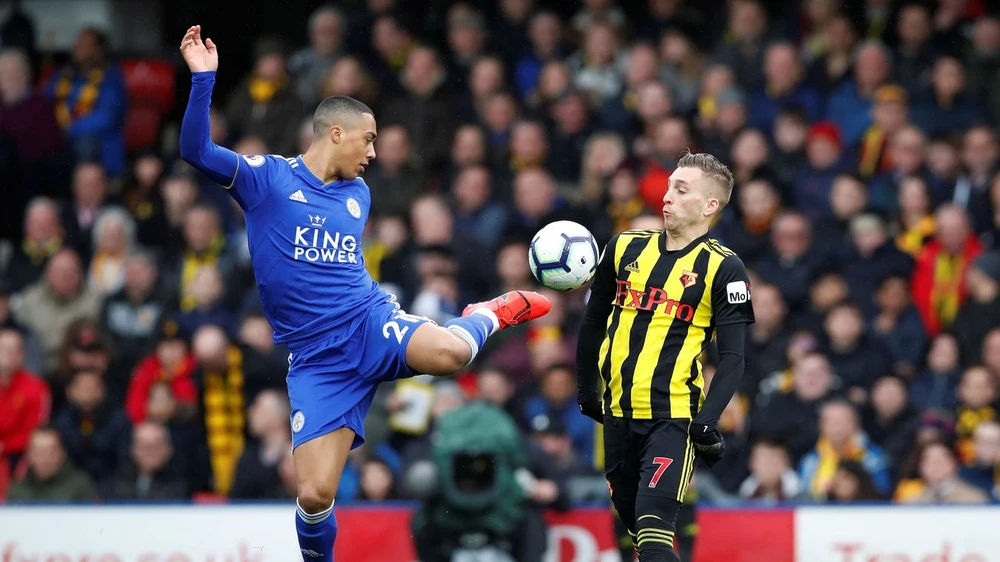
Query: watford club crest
[[689, 278]]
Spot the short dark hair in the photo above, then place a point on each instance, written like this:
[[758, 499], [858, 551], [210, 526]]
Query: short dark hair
[[335, 106], [714, 170]]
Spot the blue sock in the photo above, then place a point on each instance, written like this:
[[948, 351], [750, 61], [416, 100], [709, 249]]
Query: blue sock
[[316, 534], [474, 328]]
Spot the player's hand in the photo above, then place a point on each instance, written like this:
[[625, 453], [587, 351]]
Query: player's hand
[[200, 56], [708, 443], [592, 408]]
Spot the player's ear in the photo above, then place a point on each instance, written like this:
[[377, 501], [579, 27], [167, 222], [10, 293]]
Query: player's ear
[[712, 206], [336, 134]]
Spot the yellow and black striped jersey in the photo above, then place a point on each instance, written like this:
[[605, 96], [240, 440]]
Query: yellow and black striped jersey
[[663, 307]]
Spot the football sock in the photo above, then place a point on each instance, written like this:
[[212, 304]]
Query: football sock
[[474, 328], [655, 540], [317, 532]]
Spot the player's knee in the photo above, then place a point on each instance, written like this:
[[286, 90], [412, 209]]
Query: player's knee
[[314, 498], [656, 520], [452, 355]]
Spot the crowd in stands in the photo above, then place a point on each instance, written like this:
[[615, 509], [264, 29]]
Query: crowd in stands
[[135, 361]]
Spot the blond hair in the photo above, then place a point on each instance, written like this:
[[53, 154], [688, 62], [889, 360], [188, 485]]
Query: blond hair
[[714, 170]]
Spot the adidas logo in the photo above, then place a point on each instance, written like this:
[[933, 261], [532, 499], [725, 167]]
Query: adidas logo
[[633, 267], [311, 553], [297, 196]]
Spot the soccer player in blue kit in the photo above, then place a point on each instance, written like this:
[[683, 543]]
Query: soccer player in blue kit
[[304, 218]]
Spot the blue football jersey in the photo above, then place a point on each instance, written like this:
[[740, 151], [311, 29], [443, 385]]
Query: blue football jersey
[[305, 244]]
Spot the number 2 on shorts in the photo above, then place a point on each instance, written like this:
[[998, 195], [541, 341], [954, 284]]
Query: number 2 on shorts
[[662, 463]]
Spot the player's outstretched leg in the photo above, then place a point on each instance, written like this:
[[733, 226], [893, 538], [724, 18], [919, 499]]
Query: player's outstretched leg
[[444, 351]]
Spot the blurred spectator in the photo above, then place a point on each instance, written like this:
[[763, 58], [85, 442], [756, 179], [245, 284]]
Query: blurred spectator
[[207, 292], [916, 222], [24, 399], [950, 109], [43, 236], [347, 77], [186, 433], [897, 326], [783, 87], [788, 158], [983, 469], [849, 106], [493, 386], [905, 158], [228, 377], [977, 403], [981, 156], [94, 430], [28, 118], [772, 478], [571, 130], [557, 387], [824, 162], [309, 65], [265, 104], [890, 420], [643, 99], [89, 196], [545, 35], [171, 363], [424, 108], [150, 475], [792, 417], [935, 388], [180, 193], [597, 11], [433, 225], [742, 46], [769, 337], [856, 356], [978, 315], [51, 476], [915, 51], [378, 481], [872, 258], [477, 215], [828, 71], [90, 102], [394, 178], [113, 239], [16, 28], [852, 483], [848, 200], [827, 290], [598, 68], [790, 263], [939, 480], [748, 233], [938, 284], [204, 248], [983, 64], [257, 471], [49, 306], [889, 116], [257, 334], [553, 463], [131, 314], [841, 438]]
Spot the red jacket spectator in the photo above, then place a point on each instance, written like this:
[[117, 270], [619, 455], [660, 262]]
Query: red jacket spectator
[[150, 371], [24, 405], [939, 282]]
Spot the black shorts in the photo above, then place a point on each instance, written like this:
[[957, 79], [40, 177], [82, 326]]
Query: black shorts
[[653, 457]]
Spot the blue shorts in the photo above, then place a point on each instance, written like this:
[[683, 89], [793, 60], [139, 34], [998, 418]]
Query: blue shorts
[[331, 382]]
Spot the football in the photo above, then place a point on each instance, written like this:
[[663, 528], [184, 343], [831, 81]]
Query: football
[[563, 255]]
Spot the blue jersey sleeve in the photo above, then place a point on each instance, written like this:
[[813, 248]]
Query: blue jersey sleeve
[[245, 176]]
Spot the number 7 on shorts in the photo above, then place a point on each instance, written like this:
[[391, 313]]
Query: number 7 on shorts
[[661, 466]]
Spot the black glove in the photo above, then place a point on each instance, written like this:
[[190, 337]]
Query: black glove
[[708, 443], [592, 408]]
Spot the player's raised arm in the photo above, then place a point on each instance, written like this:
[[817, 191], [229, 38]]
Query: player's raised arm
[[220, 164], [592, 333]]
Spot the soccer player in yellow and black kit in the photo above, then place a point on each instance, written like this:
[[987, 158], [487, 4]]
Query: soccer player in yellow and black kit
[[657, 300]]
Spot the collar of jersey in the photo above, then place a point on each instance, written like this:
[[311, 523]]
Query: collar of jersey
[[685, 249], [310, 178]]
